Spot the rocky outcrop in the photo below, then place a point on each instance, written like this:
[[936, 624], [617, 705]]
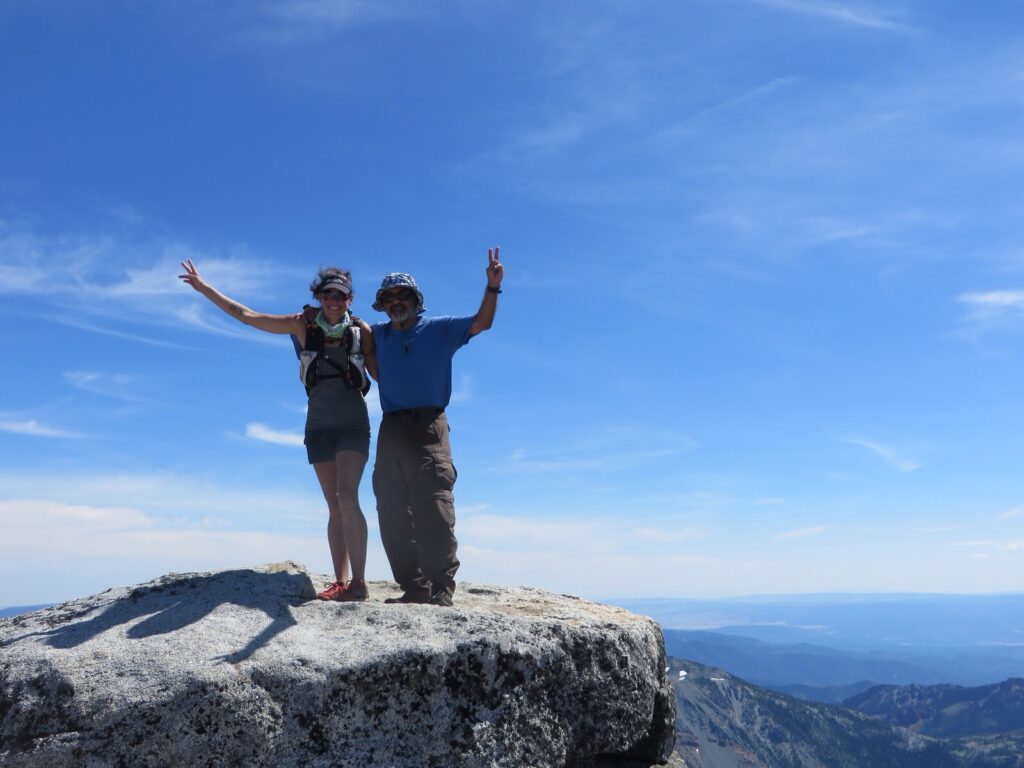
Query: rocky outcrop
[[243, 668]]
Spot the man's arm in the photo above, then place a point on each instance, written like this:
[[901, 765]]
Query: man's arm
[[485, 315], [369, 349]]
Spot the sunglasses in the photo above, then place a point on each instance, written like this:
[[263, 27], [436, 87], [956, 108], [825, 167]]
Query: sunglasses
[[402, 295], [333, 295]]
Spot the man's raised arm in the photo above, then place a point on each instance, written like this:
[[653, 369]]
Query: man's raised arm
[[489, 305]]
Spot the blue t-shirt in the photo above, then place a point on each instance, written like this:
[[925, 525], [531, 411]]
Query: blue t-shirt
[[415, 366]]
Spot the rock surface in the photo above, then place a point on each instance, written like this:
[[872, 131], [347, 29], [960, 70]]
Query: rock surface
[[243, 668]]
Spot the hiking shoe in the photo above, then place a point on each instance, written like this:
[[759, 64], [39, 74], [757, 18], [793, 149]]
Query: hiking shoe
[[353, 592], [418, 598], [442, 598], [332, 592]]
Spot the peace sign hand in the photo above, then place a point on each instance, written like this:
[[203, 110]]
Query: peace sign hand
[[495, 269], [191, 276]]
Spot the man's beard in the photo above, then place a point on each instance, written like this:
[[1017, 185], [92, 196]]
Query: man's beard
[[400, 315]]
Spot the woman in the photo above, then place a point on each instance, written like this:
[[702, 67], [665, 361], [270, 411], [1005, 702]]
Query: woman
[[337, 425]]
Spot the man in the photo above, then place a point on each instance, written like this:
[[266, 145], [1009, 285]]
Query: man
[[413, 476]]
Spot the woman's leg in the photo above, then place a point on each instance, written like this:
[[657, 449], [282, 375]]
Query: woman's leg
[[327, 474], [349, 466]]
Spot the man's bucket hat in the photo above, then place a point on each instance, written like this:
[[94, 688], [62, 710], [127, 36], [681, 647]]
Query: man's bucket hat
[[399, 280]]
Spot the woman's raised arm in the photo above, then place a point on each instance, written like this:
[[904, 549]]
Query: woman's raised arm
[[293, 324]]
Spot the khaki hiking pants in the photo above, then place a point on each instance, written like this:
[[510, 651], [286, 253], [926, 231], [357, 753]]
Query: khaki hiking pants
[[413, 478]]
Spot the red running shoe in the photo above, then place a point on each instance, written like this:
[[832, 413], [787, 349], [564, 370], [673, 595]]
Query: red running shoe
[[332, 592], [354, 592], [340, 592]]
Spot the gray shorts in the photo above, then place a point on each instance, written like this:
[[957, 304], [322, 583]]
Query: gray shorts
[[323, 444]]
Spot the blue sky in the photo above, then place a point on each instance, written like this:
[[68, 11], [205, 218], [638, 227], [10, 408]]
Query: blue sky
[[764, 301]]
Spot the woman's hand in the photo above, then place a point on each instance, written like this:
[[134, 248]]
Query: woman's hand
[[292, 324], [192, 276]]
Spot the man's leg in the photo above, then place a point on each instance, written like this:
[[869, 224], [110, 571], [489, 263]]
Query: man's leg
[[393, 514], [433, 507]]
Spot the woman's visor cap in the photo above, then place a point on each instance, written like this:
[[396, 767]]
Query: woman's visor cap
[[335, 283]]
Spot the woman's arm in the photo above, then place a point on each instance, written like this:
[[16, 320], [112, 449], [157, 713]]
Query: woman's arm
[[369, 348], [292, 324]]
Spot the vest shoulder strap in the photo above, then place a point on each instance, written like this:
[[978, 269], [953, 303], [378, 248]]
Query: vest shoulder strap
[[314, 337]]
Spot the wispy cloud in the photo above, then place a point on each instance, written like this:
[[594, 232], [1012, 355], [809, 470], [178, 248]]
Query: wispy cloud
[[174, 496], [891, 455], [854, 15], [116, 385], [992, 310], [559, 134], [36, 429], [74, 321], [590, 96], [44, 541], [995, 300], [746, 98], [488, 529], [40, 513], [1005, 545], [1012, 513], [802, 533], [464, 391], [335, 13], [828, 229], [143, 270], [670, 534], [265, 434], [285, 23], [939, 529], [123, 288], [615, 448], [794, 233]]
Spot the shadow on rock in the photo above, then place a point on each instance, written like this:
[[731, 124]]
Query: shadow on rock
[[174, 602]]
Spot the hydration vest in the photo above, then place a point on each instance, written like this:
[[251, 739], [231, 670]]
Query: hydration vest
[[312, 360]]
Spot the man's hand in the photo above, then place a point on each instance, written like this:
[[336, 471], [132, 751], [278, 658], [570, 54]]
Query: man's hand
[[485, 315], [495, 269], [309, 313]]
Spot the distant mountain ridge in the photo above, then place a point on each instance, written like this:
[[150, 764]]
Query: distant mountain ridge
[[850, 621], [17, 610], [724, 722], [947, 711], [830, 675]]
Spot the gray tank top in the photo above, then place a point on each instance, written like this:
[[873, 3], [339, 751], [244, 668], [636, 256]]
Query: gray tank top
[[331, 405]]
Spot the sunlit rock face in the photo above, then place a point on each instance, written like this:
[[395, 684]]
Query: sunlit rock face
[[244, 668]]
